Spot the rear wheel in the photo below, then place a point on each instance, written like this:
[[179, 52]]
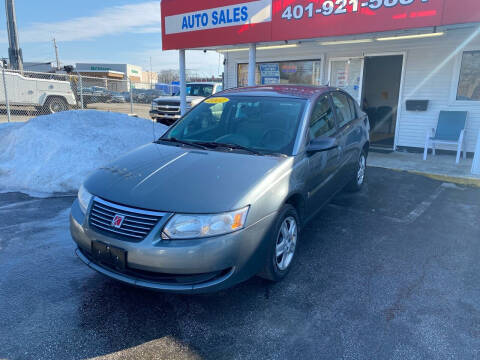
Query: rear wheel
[[357, 182], [282, 245], [55, 104]]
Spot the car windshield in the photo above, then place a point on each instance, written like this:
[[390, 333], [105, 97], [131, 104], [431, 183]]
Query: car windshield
[[261, 124], [204, 90]]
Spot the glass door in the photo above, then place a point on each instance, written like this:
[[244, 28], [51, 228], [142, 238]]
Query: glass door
[[347, 74]]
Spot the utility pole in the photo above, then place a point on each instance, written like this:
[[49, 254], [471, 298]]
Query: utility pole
[[14, 51], [56, 53]]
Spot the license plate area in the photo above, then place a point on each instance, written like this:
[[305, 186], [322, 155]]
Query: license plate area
[[109, 255]]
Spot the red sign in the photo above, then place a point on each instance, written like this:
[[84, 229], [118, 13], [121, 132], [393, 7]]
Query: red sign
[[461, 11], [204, 23], [302, 19]]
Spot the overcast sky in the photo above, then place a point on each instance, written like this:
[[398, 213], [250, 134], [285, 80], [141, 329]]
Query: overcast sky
[[110, 31]]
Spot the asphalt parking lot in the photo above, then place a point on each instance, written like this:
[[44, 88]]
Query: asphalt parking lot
[[390, 273]]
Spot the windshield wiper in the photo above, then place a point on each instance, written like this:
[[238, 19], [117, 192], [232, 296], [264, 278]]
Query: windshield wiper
[[183, 142], [230, 146]]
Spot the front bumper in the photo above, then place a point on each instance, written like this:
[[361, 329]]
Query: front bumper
[[155, 114], [207, 265]]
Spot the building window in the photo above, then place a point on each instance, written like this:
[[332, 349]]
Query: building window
[[283, 72], [469, 82]]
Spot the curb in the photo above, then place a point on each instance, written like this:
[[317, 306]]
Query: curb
[[445, 178]]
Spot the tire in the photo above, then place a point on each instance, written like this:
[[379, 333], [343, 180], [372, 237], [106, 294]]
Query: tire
[[278, 263], [356, 184], [55, 104]]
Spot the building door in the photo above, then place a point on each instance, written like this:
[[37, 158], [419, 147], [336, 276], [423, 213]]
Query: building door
[[346, 74], [380, 95]]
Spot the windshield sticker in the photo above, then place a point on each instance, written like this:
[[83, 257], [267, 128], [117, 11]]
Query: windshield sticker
[[217, 100]]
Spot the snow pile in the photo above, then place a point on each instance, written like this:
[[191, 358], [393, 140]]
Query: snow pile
[[55, 153]]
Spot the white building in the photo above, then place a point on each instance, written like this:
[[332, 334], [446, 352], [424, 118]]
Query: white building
[[116, 76]]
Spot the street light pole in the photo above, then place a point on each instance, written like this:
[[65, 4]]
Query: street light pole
[[14, 51], [56, 53]]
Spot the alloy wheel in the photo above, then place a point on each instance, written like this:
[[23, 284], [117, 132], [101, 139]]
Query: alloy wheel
[[286, 243], [362, 165]]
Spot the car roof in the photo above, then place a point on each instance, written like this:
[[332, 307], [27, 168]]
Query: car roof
[[292, 91]]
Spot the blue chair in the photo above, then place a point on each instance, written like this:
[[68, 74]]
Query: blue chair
[[450, 130]]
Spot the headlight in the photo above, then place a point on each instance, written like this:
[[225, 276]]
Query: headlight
[[183, 226], [84, 198]]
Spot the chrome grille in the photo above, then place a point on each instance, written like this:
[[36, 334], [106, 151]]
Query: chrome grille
[[136, 225]]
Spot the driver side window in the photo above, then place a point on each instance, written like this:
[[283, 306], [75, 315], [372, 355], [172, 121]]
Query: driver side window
[[205, 120], [322, 121]]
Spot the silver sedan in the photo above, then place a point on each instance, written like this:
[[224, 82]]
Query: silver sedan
[[223, 194]]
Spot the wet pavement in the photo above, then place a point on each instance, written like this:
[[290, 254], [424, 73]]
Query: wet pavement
[[390, 273]]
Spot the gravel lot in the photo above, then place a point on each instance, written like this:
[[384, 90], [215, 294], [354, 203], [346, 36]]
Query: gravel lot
[[390, 273]]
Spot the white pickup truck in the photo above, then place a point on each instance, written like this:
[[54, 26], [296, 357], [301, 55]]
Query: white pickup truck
[[166, 109], [49, 96]]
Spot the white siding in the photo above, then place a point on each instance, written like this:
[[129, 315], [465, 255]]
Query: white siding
[[431, 73]]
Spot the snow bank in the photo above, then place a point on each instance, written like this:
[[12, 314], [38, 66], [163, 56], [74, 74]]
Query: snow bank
[[55, 153]]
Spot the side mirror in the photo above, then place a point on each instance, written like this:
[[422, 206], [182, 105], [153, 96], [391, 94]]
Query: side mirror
[[323, 143]]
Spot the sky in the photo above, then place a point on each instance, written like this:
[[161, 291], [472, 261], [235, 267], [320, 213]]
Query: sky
[[100, 31]]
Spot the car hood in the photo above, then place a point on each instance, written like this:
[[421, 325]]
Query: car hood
[[178, 179], [176, 99]]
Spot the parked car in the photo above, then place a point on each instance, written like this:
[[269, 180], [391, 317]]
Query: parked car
[[116, 97], [47, 95], [223, 194], [146, 96], [166, 109], [94, 94]]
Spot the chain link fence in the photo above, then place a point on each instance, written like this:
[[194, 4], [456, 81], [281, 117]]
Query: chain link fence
[[24, 95]]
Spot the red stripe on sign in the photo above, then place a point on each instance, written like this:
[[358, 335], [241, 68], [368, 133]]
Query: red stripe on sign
[[399, 16], [217, 37], [367, 11], [175, 7], [423, 14]]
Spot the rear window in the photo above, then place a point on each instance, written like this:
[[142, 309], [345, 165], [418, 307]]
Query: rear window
[[204, 90]]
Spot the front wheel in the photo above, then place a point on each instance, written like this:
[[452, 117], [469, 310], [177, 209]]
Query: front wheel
[[358, 180], [55, 105], [282, 245]]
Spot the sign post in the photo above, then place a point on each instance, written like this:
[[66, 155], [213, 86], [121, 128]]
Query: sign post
[[252, 64], [183, 83]]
